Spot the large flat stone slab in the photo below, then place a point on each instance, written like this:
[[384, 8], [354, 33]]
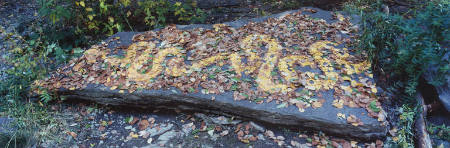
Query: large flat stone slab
[[291, 68]]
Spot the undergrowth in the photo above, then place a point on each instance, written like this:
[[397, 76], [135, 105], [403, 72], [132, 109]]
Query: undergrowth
[[62, 29], [29, 59], [401, 48]]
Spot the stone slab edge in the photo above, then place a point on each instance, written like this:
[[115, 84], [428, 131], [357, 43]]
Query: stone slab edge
[[323, 118]]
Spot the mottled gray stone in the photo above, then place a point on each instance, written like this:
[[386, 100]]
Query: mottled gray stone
[[323, 118]]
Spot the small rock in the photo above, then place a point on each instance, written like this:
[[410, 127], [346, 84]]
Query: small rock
[[204, 118], [128, 138], [220, 120], [224, 133], [151, 120], [261, 137], [335, 144], [144, 134], [257, 127], [114, 132], [270, 134], [163, 129], [187, 128], [128, 127], [211, 133], [280, 143], [149, 141], [164, 138], [280, 138]]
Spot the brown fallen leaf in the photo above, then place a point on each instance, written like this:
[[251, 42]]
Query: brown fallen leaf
[[73, 134], [316, 104], [253, 138], [246, 141], [143, 124], [132, 122], [240, 133], [101, 128]]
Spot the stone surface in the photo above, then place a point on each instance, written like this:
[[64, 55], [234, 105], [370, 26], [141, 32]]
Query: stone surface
[[322, 116]]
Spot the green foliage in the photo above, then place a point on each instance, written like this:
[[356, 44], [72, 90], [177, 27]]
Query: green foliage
[[361, 6], [45, 97], [30, 60], [287, 4], [405, 133], [106, 17], [404, 48], [401, 48], [441, 131], [33, 124], [373, 106]]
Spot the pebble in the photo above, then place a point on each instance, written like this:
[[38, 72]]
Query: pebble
[[164, 138], [261, 137], [163, 129], [223, 133], [257, 127], [128, 127], [187, 128]]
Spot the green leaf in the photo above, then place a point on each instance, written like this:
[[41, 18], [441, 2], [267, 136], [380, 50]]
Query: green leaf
[[191, 90], [128, 119], [284, 104], [373, 106]]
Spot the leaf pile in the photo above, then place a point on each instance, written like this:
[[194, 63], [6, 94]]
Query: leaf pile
[[293, 60]]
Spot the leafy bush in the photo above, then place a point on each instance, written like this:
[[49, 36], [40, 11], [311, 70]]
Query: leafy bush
[[404, 48], [106, 17], [29, 60], [401, 48]]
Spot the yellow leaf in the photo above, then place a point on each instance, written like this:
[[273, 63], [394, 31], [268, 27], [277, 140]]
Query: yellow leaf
[[341, 115], [133, 135], [82, 4], [111, 19], [113, 87], [395, 139], [178, 4], [245, 141], [128, 13], [72, 88], [340, 17], [374, 89], [316, 104], [338, 103], [90, 17], [89, 9]]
